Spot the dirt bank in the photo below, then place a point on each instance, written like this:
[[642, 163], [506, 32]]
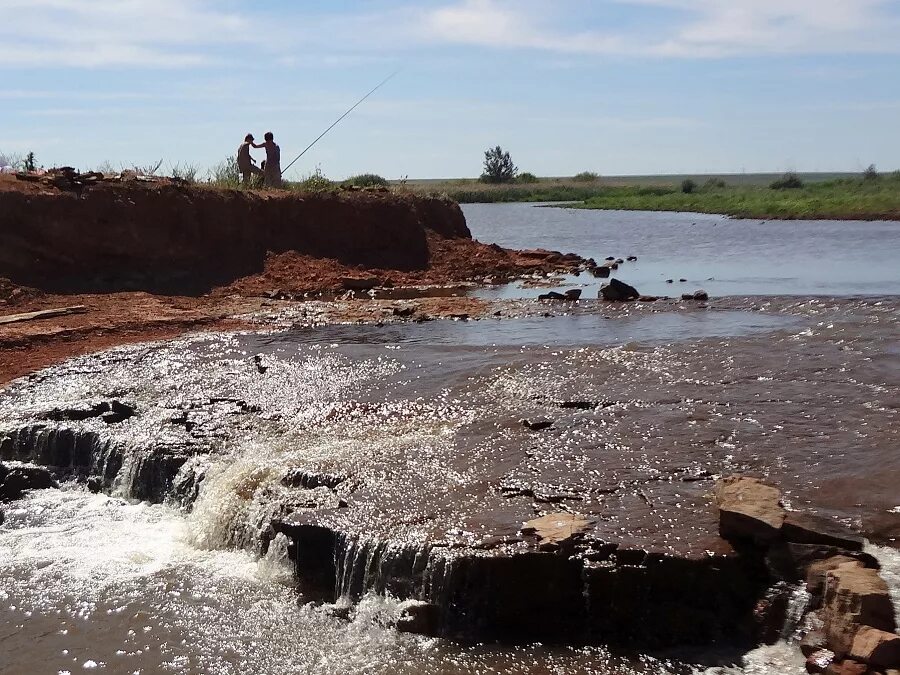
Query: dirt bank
[[150, 260]]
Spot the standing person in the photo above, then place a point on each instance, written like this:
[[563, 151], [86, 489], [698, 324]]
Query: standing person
[[273, 161], [245, 161]]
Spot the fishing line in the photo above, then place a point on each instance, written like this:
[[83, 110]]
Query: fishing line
[[335, 123]]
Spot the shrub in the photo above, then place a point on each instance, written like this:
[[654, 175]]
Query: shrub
[[688, 186], [586, 177], [366, 180], [789, 181], [187, 173], [714, 183], [315, 182], [498, 166], [871, 173], [226, 173], [148, 169], [527, 177]]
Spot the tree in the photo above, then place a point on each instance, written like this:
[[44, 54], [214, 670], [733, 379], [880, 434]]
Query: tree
[[871, 173], [498, 166], [29, 162]]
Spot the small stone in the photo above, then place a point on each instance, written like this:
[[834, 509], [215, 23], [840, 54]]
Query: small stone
[[631, 258], [669, 281], [537, 425]]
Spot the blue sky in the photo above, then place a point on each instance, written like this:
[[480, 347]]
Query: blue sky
[[613, 86]]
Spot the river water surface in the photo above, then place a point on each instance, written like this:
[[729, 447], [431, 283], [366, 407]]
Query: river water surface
[[424, 418]]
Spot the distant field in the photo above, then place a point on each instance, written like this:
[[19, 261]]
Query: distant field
[[822, 195]]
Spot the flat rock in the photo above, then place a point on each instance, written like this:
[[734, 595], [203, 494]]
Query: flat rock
[[749, 509], [876, 647], [808, 528], [557, 528]]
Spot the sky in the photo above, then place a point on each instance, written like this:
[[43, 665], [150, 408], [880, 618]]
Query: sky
[[611, 86]]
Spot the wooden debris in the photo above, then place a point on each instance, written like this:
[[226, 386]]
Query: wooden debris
[[43, 314]]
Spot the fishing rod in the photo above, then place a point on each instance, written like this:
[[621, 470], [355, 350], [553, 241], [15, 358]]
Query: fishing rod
[[335, 123]]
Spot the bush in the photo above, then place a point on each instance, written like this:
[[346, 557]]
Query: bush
[[789, 181], [366, 180], [498, 166], [187, 173], [226, 173], [714, 183], [586, 177], [315, 182], [527, 177], [688, 186], [871, 173]]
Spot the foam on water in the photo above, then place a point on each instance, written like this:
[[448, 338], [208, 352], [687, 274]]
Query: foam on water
[[115, 586]]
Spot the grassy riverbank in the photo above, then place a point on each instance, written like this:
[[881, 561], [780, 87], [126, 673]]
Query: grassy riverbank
[[826, 196]]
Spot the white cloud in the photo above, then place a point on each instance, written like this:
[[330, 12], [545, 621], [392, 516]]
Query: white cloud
[[697, 28], [158, 33], [191, 33]]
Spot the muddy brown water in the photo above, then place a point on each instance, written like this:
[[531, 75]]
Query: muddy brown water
[[425, 421]]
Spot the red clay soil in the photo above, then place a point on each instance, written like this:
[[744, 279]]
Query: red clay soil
[[151, 261]]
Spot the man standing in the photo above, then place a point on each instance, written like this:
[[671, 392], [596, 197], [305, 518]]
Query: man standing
[[273, 161], [245, 161]]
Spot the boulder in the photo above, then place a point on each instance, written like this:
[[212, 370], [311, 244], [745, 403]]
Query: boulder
[[422, 618], [876, 647], [18, 479], [854, 597], [618, 291], [816, 572], [602, 271], [749, 509], [573, 294]]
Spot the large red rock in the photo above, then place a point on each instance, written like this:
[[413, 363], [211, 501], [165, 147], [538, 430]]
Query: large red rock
[[749, 509], [876, 647], [854, 597]]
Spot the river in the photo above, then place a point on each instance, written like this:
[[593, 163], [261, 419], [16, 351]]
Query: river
[[420, 422]]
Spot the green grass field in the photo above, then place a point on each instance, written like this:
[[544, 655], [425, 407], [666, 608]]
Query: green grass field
[[825, 196]]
